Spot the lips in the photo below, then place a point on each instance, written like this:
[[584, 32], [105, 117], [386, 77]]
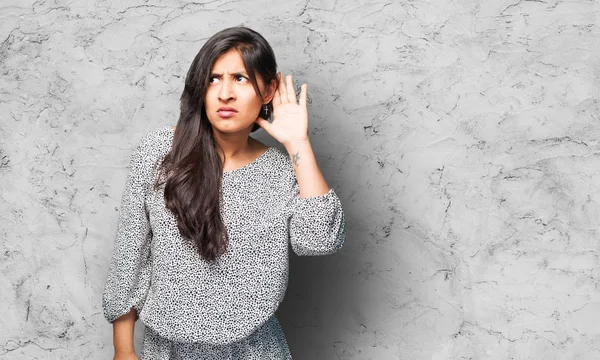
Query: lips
[[226, 112]]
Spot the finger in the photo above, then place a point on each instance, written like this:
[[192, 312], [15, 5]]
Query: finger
[[263, 123], [303, 94], [277, 95], [282, 90], [276, 98], [291, 92]]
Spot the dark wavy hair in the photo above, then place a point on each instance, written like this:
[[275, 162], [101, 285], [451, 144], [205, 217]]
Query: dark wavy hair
[[192, 170]]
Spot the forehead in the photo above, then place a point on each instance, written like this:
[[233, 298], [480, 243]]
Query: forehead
[[230, 62]]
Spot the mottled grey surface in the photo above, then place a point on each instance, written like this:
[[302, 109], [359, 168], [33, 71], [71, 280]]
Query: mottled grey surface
[[461, 136]]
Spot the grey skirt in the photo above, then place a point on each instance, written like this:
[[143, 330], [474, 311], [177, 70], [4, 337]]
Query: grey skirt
[[267, 342]]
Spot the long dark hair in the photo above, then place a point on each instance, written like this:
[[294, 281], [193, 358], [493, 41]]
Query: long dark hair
[[193, 169]]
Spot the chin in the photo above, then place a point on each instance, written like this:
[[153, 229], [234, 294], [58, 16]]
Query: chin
[[232, 129]]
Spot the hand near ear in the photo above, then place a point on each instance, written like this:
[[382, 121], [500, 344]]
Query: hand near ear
[[290, 116]]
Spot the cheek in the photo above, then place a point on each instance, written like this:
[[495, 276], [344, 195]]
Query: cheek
[[209, 98], [252, 102]]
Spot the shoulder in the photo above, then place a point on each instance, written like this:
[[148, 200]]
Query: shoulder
[[152, 147], [275, 154], [157, 138], [280, 161], [280, 155]]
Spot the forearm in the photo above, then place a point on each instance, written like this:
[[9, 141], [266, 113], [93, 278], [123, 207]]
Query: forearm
[[309, 176], [317, 224], [123, 332]]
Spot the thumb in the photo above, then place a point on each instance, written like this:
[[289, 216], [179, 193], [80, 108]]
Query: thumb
[[263, 123]]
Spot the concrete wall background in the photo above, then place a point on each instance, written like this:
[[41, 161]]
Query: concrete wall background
[[461, 136]]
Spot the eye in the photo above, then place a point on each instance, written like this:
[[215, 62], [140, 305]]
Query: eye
[[240, 78], [213, 80]]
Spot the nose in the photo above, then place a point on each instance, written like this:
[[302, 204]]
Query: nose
[[226, 92]]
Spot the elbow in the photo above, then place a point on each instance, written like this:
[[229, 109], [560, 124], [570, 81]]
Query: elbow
[[117, 301], [113, 311], [110, 310], [310, 243], [318, 227]]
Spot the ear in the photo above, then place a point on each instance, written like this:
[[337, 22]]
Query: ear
[[270, 92]]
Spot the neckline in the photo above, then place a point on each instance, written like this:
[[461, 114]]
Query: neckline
[[250, 164]]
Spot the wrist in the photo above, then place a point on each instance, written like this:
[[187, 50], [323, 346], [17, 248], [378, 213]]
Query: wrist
[[124, 350], [123, 342], [290, 144]]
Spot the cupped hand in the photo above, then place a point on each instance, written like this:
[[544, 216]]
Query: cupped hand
[[290, 116]]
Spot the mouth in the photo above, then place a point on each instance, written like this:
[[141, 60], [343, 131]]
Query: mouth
[[226, 112]]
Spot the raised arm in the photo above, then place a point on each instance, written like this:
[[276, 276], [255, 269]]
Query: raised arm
[[317, 224]]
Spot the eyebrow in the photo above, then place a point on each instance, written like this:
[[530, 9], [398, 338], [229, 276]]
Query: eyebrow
[[243, 73]]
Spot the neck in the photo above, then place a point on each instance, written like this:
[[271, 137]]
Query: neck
[[233, 145]]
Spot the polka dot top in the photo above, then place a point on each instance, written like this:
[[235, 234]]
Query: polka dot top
[[185, 298]]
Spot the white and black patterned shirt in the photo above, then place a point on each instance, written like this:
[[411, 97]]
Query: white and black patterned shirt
[[185, 298]]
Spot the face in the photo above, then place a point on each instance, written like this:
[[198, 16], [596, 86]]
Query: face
[[231, 103]]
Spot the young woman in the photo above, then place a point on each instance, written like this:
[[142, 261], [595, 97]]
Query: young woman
[[201, 252]]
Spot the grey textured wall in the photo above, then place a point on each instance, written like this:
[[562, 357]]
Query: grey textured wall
[[461, 136]]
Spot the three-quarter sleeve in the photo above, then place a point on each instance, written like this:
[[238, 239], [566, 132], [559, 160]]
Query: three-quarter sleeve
[[317, 224], [129, 272]]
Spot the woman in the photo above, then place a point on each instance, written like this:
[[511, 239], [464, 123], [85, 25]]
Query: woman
[[201, 252]]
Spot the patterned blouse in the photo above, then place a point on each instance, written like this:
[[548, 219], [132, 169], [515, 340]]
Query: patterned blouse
[[187, 299]]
